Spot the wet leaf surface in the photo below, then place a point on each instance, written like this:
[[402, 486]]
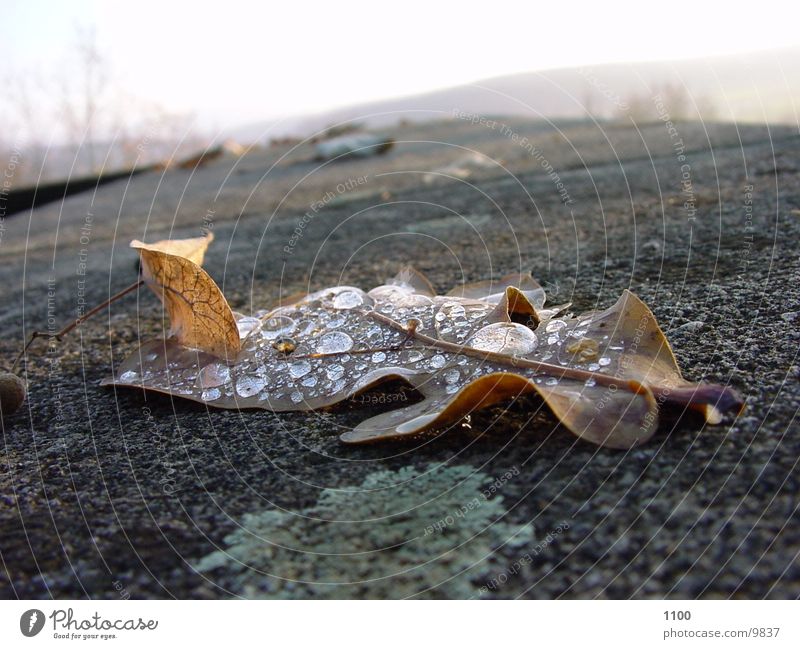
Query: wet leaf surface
[[604, 374]]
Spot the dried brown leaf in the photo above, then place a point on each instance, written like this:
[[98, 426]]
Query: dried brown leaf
[[604, 374], [199, 315], [193, 249]]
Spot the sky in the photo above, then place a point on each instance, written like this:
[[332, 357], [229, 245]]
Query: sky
[[232, 63]]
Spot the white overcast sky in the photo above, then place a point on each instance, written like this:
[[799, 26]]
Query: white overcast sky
[[233, 62]]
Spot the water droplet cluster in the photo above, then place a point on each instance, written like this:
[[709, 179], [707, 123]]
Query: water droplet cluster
[[325, 347]]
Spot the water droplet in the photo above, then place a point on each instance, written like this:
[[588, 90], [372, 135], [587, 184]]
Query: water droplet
[[594, 367], [347, 300], [505, 338], [590, 383], [277, 326], [128, 376], [552, 381], [335, 372], [452, 376], [391, 293], [604, 361], [452, 311], [335, 322], [151, 357], [455, 310], [247, 386], [296, 396], [438, 361], [452, 388], [378, 357], [309, 381], [335, 342], [305, 328], [247, 325], [414, 300], [214, 375], [212, 394], [299, 368], [374, 332], [555, 325]]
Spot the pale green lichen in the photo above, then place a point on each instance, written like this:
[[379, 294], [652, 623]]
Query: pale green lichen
[[431, 532]]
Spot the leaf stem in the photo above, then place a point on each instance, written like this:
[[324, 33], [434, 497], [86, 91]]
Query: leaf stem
[[503, 359], [720, 396], [679, 392], [77, 322]]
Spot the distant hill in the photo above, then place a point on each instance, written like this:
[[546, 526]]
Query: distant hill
[[759, 87], [754, 87]]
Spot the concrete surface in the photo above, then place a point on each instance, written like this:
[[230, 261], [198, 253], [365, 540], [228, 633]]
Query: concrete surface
[[110, 495]]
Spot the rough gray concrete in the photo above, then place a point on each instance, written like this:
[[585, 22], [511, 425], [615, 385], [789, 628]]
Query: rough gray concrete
[[110, 494]]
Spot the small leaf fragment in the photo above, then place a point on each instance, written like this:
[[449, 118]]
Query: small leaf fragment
[[493, 290], [193, 249], [199, 314], [585, 349]]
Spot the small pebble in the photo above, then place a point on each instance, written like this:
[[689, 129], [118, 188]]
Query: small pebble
[[692, 327], [12, 393], [654, 245]]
